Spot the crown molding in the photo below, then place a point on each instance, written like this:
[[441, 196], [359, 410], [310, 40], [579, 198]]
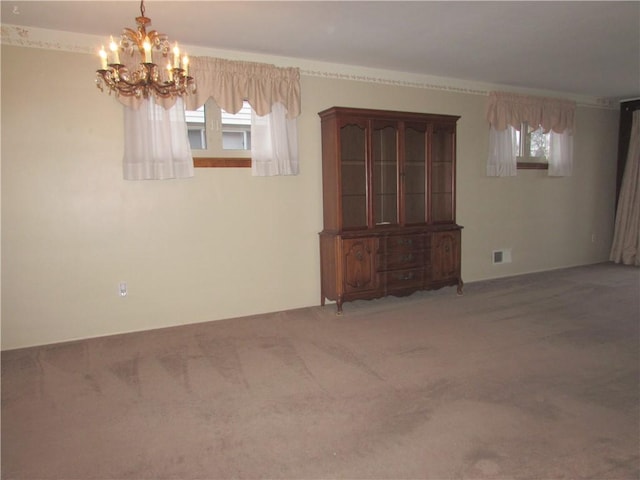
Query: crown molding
[[33, 37]]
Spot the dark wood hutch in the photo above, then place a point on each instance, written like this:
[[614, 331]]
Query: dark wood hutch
[[389, 204]]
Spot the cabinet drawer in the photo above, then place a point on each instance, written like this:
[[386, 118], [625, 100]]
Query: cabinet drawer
[[399, 243], [401, 260], [396, 279]]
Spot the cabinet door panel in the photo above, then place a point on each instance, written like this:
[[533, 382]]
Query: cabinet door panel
[[442, 177], [445, 256], [353, 175], [415, 139], [384, 146], [358, 265], [442, 207]]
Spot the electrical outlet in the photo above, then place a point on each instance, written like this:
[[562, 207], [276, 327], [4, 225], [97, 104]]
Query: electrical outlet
[[123, 289]]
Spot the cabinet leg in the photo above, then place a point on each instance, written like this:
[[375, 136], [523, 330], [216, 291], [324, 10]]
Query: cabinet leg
[[339, 306], [460, 286]]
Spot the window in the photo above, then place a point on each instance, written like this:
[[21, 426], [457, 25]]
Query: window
[[532, 147], [196, 128], [218, 138], [552, 152]]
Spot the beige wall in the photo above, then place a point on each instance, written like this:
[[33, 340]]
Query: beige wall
[[225, 244]]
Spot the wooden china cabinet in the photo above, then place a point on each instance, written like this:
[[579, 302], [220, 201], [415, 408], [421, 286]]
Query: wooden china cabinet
[[389, 204]]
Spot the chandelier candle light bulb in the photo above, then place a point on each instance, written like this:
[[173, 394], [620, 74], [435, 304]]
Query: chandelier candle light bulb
[[125, 77], [103, 58], [147, 51], [114, 50], [185, 65], [176, 56]]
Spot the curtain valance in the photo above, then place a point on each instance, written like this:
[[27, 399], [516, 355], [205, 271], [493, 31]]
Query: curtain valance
[[510, 109], [231, 82]]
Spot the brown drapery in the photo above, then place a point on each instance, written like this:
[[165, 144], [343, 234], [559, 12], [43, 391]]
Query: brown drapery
[[511, 109], [626, 240]]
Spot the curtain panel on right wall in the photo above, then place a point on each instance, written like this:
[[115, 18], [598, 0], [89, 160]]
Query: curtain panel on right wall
[[626, 238], [508, 112]]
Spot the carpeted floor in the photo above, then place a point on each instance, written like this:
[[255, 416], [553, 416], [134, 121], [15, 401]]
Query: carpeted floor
[[530, 377]]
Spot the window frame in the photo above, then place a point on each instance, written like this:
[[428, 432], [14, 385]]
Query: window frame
[[217, 157], [524, 161]]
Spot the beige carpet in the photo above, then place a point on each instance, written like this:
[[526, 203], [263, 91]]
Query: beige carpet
[[531, 377]]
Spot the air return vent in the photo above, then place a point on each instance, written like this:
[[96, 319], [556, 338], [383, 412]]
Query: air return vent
[[501, 256]]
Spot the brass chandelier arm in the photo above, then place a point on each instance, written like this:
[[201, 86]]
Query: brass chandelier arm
[[144, 82]]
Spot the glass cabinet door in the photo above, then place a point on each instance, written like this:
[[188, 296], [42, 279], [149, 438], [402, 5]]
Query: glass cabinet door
[[353, 175], [415, 155], [384, 142], [442, 173]]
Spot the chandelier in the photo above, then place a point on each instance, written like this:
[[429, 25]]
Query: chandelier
[[145, 78]]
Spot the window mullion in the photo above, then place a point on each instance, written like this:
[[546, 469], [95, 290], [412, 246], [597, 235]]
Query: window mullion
[[526, 135]]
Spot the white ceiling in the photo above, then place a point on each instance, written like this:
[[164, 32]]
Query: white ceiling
[[586, 48]]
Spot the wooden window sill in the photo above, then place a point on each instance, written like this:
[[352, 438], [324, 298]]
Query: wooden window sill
[[209, 162], [532, 166]]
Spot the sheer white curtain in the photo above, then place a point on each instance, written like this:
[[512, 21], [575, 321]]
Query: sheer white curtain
[[274, 143], [156, 143], [626, 238], [502, 153], [560, 154]]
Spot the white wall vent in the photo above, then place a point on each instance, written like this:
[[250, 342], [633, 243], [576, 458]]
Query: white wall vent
[[501, 256]]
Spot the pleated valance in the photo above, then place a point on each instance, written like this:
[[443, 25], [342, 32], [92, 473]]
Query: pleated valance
[[231, 82], [510, 109]]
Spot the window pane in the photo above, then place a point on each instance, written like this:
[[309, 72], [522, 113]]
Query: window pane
[[539, 144], [236, 140], [532, 145], [196, 128], [197, 138], [217, 133], [236, 129]]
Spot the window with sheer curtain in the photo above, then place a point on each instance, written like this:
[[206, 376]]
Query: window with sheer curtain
[[273, 94], [515, 121], [156, 133], [219, 138]]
